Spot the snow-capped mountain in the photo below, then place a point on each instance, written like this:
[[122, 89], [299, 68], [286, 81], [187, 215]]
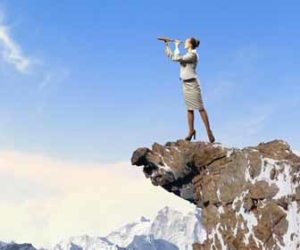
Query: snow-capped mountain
[[177, 228], [148, 242], [169, 225], [124, 235], [139, 242], [170, 230], [86, 242]]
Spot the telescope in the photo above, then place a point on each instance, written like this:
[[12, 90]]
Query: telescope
[[165, 39]]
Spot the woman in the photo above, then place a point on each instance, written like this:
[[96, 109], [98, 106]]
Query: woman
[[191, 84]]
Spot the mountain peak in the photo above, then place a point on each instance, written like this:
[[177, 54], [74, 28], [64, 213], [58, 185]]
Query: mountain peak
[[167, 210], [83, 237], [254, 190], [144, 219], [169, 230]]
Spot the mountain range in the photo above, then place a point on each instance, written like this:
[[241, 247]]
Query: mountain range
[[169, 230]]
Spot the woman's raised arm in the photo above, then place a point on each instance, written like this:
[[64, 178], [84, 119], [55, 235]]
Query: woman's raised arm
[[168, 50], [187, 58]]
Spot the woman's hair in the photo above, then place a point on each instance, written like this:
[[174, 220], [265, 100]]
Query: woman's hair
[[194, 42]]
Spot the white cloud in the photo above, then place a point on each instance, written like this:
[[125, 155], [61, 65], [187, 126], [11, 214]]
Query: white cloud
[[10, 51], [54, 199]]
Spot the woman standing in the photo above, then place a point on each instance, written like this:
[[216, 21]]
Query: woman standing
[[191, 84]]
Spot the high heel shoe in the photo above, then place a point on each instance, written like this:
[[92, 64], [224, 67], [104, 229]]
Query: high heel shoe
[[189, 137], [211, 137]]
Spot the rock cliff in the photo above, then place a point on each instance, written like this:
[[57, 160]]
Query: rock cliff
[[250, 197]]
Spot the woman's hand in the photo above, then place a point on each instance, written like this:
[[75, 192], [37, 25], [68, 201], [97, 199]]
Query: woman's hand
[[168, 50], [177, 43]]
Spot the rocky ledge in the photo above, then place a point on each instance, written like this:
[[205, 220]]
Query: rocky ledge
[[250, 197]]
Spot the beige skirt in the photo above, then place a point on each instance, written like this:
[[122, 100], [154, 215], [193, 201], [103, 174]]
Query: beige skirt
[[192, 94]]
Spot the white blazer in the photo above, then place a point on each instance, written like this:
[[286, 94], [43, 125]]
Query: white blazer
[[188, 62]]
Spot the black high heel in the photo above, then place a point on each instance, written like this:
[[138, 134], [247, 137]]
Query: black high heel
[[189, 137], [211, 137]]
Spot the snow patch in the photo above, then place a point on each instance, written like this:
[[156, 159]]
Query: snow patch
[[249, 217], [283, 176], [229, 152], [292, 236]]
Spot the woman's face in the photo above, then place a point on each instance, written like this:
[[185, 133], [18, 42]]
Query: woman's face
[[187, 44]]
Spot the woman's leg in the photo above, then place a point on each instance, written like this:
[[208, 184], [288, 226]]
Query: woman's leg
[[205, 119], [190, 115]]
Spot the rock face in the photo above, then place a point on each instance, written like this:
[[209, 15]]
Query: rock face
[[250, 197]]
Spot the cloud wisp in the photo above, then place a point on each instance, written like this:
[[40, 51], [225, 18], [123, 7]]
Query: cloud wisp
[[11, 52]]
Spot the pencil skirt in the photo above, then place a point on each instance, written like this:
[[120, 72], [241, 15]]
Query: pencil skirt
[[192, 94]]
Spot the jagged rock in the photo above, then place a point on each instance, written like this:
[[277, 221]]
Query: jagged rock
[[262, 190], [250, 197]]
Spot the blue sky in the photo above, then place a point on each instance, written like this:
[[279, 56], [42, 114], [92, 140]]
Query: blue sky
[[98, 84], [85, 83]]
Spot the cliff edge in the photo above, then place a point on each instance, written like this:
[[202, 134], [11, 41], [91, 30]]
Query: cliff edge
[[250, 197]]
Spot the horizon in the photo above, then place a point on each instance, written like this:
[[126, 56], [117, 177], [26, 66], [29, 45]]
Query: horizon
[[85, 84]]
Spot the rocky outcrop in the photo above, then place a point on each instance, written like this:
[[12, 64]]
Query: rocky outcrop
[[250, 197]]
